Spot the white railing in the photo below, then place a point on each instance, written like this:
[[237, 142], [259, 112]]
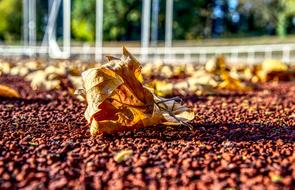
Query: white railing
[[169, 54], [241, 53]]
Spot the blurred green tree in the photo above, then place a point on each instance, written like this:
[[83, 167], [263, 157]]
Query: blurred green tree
[[192, 19], [270, 13], [10, 20], [121, 20], [83, 20], [288, 10]]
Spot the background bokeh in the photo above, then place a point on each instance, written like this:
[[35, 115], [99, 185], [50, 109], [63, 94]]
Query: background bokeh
[[192, 19]]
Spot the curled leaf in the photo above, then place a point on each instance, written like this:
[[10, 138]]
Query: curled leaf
[[117, 100]]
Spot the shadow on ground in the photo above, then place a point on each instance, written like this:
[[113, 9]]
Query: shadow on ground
[[213, 132]]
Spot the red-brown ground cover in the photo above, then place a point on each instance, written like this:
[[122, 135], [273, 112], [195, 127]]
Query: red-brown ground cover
[[239, 141]]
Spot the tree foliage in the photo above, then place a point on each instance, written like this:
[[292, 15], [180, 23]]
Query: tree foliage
[[193, 19], [121, 20], [10, 19], [269, 14]]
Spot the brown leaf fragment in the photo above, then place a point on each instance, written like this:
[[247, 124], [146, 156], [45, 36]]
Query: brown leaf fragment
[[8, 92]]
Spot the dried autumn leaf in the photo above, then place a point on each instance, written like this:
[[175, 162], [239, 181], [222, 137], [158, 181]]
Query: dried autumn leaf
[[167, 71], [220, 69], [147, 69], [4, 67], [19, 70], [192, 84], [76, 81], [42, 80], [269, 66], [242, 72], [161, 88], [8, 92], [216, 64], [230, 83], [33, 65], [270, 69], [118, 101], [204, 78]]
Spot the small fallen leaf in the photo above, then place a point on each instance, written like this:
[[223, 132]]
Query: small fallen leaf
[[33, 144], [270, 70], [161, 88], [59, 70], [33, 65], [76, 81], [42, 80], [147, 69], [19, 70], [123, 155], [167, 71], [200, 83], [230, 83], [4, 67], [229, 188], [216, 64], [276, 178], [269, 66], [8, 92]]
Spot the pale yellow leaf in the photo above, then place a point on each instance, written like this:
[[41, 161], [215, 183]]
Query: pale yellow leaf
[[216, 64], [273, 66], [267, 68], [230, 83], [123, 155]]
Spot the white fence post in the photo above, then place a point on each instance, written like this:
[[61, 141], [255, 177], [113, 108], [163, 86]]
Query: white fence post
[[286, 54], [99, 30], [268, 53], [145, 29], [32, 25], [168, 28], [25, 22], [29, 25], [67, 27], [251, 56]]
